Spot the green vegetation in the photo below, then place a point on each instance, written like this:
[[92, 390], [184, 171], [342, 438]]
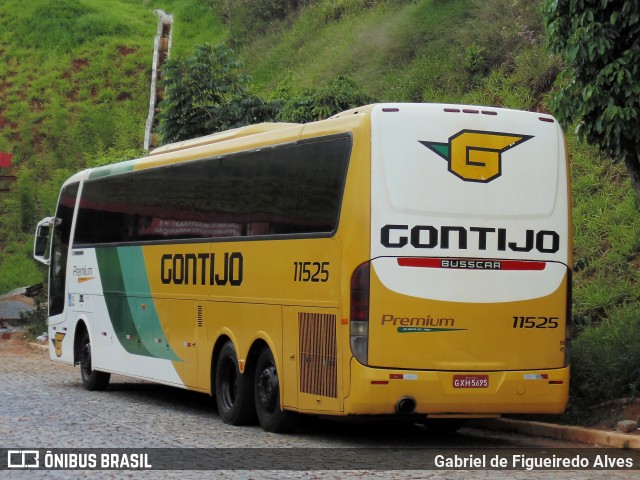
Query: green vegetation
[[74, 86], [338, 95], [600, 44], [206, 93], [606, 361], [35, 321], [73, 82]]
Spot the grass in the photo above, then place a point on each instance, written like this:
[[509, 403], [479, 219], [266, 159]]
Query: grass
[[606, 364], [376, 46], [606, 235], [74, 83]]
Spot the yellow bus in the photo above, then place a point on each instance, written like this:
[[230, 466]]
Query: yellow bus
[[407, 260]]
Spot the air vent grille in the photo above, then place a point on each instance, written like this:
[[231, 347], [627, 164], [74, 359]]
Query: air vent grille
[[318, 362]]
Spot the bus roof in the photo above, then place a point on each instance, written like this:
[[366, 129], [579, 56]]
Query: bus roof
[[222, 136]]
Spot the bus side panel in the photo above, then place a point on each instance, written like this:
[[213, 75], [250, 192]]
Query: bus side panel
[[119, 313], [239, 290], [243, 324]]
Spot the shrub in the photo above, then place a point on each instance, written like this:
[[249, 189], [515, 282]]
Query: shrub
[[35, 321], [605, 360], [319, 103], [207, 93]]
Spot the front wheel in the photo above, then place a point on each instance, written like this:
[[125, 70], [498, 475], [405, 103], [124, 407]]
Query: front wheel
[[91, 379], [267, 397]]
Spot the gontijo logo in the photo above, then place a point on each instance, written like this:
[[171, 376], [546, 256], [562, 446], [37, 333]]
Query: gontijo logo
[[476, 156]]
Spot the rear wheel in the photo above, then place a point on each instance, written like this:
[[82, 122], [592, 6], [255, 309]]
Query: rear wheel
[[267, 397], [233, 389], [91, 379]]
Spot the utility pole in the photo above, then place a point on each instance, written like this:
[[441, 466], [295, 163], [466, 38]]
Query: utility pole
[[162, 45]]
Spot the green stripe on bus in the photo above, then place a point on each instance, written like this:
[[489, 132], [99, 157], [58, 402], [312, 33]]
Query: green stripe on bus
[[137, 330], [142, 306], [114, 169]]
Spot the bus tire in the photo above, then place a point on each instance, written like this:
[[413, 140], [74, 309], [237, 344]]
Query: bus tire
[[267, 397], [233, 389], [91, 379]]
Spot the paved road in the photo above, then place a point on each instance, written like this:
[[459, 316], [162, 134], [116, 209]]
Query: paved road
[[43, 405]]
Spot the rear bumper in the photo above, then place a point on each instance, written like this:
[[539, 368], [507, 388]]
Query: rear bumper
[[375, 391]]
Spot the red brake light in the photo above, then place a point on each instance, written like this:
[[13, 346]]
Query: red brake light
[[360, 293]]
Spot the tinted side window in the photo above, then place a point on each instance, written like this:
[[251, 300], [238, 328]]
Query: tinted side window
[[60, 248], [295, 188]]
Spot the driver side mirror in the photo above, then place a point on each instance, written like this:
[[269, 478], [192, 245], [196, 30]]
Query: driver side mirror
[[41, 242]]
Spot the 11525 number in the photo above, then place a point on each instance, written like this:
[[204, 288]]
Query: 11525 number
[[311, 271], [535, 322]]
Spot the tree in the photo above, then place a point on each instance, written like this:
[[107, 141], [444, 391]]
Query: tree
[[599, 40], [206, 93], [319, 103]]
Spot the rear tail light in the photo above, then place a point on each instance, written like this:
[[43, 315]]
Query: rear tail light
[[359, 321]]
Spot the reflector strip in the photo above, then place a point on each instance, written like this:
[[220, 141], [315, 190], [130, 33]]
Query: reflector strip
[[471, 263], [403, 376]]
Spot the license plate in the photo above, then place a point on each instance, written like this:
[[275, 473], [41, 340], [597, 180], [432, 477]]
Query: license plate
[[471, 381]]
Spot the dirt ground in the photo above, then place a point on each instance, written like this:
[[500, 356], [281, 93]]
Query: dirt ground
[[613, 412], [19, 344]]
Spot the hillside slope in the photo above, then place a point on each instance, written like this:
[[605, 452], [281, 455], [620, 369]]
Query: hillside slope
[[74, 85]]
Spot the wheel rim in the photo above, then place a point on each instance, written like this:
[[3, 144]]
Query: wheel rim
[[229, 385], [268, 388]]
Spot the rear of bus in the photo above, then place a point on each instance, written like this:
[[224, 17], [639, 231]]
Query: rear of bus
[[464, 307]]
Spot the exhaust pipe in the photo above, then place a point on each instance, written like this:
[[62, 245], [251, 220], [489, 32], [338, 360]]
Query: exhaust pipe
[[406, 405]]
